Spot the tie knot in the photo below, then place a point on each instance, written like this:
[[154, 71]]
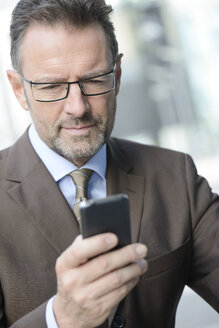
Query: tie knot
[[81, 177]]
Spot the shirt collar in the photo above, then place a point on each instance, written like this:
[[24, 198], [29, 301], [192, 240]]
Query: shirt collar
[[57, 165]]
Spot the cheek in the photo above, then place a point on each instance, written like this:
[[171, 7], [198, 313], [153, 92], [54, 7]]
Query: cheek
[[110, 108], [44, 113], [102, 106]]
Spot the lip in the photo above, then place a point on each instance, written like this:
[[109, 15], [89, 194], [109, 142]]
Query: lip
[[78, 130]]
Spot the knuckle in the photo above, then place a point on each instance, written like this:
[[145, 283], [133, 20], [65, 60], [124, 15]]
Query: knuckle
[[137, 268], [100, 310], [69, 282], [81, 300], [79, 255], [131, 254], [104, 263], [117, 278]]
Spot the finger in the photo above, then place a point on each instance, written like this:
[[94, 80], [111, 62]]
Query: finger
[[112, 261], [117, 295], [116, 279], [82, 250]]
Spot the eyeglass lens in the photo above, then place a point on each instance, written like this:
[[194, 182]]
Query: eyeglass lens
[[55, 91]]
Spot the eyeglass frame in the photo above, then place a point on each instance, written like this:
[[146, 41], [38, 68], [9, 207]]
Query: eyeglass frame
[[113, 70]]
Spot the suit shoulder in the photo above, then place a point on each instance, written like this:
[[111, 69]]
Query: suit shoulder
[[3, 160], [131, 148], [4, 153], [153, 159]]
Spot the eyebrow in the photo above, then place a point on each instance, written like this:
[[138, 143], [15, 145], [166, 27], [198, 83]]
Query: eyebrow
[[100, 72], [48, 79]]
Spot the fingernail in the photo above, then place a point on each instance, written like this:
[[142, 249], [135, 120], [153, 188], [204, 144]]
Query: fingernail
[[141, 250], [143, 265], [111, 240]]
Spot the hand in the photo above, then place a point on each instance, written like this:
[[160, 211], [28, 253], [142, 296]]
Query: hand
[[92, 279]]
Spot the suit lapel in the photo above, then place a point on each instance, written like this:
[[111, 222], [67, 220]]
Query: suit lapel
[[34, 189], [121, 179]]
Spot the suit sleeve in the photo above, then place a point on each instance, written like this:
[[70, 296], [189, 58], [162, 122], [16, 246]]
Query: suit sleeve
[[2, 316], [204, 277], [34, 319]]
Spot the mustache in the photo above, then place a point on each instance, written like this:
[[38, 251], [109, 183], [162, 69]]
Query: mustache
[[87, 119]]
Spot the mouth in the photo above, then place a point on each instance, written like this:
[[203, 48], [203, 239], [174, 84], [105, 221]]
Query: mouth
[[78, 130]]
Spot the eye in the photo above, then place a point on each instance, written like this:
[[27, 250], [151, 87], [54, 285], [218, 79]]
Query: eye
[[50, 86], [95, 81]]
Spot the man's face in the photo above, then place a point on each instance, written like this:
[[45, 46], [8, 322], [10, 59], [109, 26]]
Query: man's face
[[75, 127]]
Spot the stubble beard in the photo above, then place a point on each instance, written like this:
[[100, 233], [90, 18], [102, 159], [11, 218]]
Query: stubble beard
[[76, 148]]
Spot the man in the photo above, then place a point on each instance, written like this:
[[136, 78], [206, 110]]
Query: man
[[67, 74]]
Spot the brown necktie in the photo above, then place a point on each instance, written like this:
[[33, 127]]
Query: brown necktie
[[80, 179]]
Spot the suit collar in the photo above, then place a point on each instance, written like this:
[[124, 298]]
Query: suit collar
[[22, 159]]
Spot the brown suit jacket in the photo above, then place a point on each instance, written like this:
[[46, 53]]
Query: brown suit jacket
[[172, 211]]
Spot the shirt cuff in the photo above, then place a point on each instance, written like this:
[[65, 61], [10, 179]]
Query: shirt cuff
[[50, 317]]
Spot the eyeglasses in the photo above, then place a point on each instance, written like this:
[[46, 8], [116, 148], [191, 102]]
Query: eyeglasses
[[55, 91]]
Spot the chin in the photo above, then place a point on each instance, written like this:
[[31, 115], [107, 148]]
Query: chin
[[77, 148]]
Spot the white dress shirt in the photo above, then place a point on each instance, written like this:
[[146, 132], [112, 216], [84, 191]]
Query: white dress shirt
[[59, 168]]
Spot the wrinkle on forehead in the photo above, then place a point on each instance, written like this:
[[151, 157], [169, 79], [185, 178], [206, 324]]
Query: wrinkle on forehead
[[58, 47]]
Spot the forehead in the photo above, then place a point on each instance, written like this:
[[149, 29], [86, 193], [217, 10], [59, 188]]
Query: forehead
[[64, 50]]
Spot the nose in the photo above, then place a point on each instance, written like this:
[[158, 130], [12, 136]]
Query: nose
[[76, 103]]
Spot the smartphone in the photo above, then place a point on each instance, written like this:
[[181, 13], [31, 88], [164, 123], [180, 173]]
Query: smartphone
[[110, 214]]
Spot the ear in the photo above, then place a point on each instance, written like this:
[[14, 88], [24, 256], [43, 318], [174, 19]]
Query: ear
[[17, 87], [118, 73]]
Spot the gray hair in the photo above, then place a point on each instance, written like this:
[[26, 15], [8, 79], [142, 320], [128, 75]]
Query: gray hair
[[78, 13]]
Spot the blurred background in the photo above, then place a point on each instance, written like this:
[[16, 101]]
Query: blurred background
[[169, 94]]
